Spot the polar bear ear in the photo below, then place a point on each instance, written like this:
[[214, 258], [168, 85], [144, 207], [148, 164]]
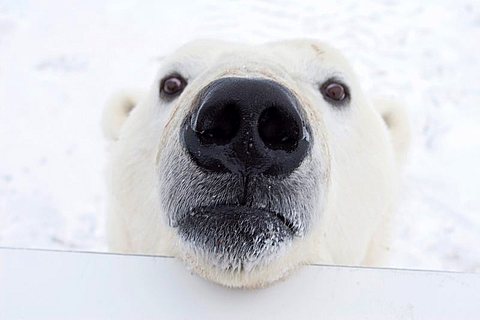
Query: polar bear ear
[[117, 111], [395, 117]]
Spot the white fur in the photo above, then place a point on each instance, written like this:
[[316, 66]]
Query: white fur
[[117, 111], [361, 154]]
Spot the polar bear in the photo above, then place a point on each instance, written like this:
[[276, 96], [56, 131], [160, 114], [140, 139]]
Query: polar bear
[[248, 161]]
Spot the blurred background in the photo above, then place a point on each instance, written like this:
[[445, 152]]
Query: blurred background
[[60, 61]]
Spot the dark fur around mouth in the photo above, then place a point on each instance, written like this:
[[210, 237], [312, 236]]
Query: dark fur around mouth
[[234, 224], [236, 235]]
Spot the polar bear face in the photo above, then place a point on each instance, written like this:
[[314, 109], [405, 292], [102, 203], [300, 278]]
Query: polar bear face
[[249, 161]]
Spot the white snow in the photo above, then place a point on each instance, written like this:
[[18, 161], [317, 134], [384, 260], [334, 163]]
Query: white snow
[[60, 60]]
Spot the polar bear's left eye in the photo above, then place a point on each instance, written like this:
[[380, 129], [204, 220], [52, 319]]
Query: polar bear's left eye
[[334, 91]]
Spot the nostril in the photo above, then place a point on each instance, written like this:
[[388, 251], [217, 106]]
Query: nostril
[[278, 129], [218, 125], [246, 127]]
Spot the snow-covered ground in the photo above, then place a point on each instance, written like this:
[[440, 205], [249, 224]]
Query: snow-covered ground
[[60, 60]]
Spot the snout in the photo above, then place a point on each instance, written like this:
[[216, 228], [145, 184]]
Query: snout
[[253, 135], [247, 127]]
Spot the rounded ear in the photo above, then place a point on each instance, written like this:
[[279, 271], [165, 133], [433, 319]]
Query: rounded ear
[[117, 111], [395, 117]]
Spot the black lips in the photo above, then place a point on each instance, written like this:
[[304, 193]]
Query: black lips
[[235, 236]]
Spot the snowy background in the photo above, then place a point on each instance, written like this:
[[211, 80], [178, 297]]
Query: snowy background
[[60, 60]]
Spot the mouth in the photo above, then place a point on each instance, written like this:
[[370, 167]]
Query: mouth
[[236, 238]]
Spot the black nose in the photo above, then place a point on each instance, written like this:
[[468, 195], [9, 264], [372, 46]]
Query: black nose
[[247, 126]]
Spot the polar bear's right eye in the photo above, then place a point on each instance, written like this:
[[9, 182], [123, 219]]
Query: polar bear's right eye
[[172, 85]]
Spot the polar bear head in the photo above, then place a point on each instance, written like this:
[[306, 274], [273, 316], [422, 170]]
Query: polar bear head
[[249, 161]]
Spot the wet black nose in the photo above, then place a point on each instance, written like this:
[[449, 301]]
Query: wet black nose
[[247, 126]]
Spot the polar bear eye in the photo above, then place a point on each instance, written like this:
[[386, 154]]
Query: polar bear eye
[[172, 85], [334, 91]]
